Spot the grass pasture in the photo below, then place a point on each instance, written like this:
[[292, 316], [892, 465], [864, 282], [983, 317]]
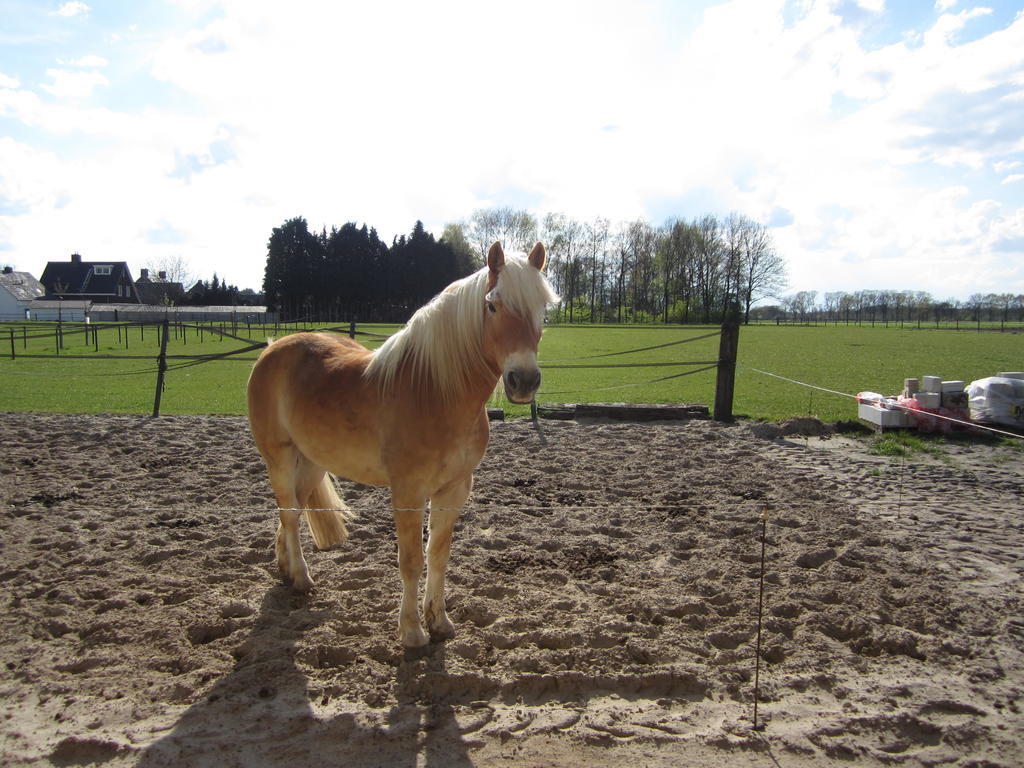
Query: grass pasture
[[845, 358]]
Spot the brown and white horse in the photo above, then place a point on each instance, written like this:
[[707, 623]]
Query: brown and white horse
[[410, 416]]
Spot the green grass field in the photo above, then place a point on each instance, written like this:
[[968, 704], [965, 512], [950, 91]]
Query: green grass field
[[849, 359]]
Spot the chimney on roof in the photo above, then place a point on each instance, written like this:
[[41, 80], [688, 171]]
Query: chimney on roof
[[162, 274], [143, 274], [76, 258]]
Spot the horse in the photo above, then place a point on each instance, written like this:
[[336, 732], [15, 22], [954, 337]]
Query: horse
[[410, 415]]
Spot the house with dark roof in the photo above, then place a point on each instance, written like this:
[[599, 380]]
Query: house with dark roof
[[109, 282], [17, 290], [158, 290]]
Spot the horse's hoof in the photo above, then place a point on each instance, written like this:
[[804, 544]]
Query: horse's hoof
[[442, 630], [302, 584], [414, 638]]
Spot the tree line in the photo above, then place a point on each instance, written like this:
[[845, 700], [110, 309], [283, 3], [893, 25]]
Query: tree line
[[683, 271], [349, 273], [890, 306], [680, 272]]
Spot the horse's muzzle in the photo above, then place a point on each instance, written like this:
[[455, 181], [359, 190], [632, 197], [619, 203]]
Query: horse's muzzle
[[521, 384]]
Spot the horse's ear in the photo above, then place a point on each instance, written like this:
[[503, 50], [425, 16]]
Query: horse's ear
[[538, 257], [495, 258], [495, 263]]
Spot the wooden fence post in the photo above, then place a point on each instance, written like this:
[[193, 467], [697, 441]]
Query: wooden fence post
[[161, 368], [12, 343], [352, 329], [726, 382]]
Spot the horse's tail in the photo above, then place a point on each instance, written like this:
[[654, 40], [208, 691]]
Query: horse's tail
[[326, 515]]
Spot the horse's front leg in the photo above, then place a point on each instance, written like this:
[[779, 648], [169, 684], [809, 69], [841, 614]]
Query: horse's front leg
[[445, 508], [408, 510]]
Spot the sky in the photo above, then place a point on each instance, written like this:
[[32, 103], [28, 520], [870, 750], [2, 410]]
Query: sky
[[881, 141]]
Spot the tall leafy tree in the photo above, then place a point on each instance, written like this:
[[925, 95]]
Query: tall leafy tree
[[292, 255], [564, 239], [596, 238], [707, 272], [466, 259], [677, 254]]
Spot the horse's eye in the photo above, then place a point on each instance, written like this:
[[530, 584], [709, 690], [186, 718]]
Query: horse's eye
[[491, 308]]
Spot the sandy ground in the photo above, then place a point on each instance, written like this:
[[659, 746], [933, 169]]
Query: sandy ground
[[605, 587]]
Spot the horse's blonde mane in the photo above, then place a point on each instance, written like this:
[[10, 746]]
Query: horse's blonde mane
[[443, 341]]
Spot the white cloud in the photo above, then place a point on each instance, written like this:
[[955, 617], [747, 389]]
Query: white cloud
[[949, 25], [1013, 178], [944, 5], [85, 62], [74, 86], [71, 9], [8, 82], [437, 98], [30, 178]]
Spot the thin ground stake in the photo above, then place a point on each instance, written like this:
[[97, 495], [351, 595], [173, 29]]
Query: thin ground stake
[[536, 422], [760, 611], [161, 364], [903, 466]]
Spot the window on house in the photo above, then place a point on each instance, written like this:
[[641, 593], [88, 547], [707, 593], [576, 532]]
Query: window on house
[[101, 269]]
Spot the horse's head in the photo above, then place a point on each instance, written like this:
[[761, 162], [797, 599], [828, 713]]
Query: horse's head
[[516, 300]]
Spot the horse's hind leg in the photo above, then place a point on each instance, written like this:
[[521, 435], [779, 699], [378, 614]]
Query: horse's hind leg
[[290, 477], [289, 551], [445, 508]]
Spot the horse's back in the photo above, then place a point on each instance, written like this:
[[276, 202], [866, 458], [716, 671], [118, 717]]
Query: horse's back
[[302, 365], [315, 346]]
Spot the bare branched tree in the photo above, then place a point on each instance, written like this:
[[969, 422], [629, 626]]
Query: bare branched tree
[[175, 266], [516, 230]]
